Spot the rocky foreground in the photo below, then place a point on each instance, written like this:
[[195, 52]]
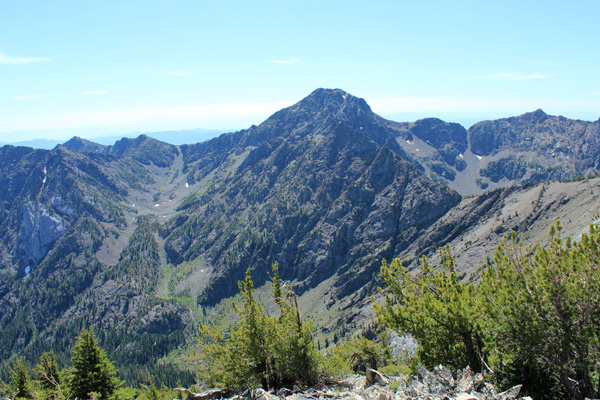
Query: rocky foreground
[[439, 384]]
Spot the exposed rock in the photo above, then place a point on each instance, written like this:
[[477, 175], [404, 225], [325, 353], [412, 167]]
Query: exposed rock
[[375, 377], [442, 384], [41, 229], [439, 384], [510, 394], [218, 393], [467, 381]]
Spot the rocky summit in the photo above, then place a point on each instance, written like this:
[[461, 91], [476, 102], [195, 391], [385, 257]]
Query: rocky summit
[[142, 240], [439, 384]]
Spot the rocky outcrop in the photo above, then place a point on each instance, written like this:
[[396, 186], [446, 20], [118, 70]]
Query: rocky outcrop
[[536, 146], [42, 227], [439, 384]]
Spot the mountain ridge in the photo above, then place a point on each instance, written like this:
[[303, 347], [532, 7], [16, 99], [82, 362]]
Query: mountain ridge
[[141, 240]]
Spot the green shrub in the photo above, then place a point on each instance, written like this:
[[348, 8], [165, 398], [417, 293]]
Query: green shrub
[[437, 310], [396, 369], [361, 353], [265, 351], [534, 318]]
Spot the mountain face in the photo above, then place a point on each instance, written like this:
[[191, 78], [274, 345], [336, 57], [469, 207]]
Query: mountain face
[[493, 154], [539, 147], [141, 240], [319, 187]]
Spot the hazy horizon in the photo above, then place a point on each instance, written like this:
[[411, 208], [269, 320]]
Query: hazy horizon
[[47, 139], [100, 68]]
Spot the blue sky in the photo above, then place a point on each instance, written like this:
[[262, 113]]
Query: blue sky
[[92, 68]]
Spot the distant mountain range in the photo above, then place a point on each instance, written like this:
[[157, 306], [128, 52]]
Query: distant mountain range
[[142, 239], [172, 137]]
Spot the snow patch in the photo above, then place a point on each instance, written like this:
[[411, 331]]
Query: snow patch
[[27, 269], [360, 127], [460, 155], [156, 205], [478, 157], [187, 184], [417, 149]]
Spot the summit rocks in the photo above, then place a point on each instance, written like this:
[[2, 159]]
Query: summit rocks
[[439, 384]]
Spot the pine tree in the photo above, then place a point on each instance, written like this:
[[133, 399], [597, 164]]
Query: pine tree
[[435, 308], [262, 351], [541, 312], [534, 319], [48, 374], [20, 381], [92, 372]]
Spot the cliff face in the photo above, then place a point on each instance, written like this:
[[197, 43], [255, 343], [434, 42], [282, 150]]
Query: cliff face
[[41, 229], [492, 154], [537, 146]]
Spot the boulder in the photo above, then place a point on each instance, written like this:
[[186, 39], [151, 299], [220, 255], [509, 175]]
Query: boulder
[[375, 377]]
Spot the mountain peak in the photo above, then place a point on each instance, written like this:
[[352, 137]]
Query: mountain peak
[[146, 150], [321, 98], [535, 116], [326, 105], [83, 145]]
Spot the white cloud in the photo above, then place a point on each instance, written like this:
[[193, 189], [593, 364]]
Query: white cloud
[[95, 92], [179, 73], [286, 62], [30, 97], [515, 76], [4, 59]]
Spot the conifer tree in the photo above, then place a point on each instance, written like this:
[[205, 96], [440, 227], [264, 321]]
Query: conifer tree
[[48, 374], [261, 351], [541, 312], [435, 308], [534, 319], [20, 381], [92, 371]]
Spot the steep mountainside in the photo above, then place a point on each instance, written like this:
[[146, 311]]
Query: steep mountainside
[[68, 217], [141, 240], [321, 187], [492, 154]]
